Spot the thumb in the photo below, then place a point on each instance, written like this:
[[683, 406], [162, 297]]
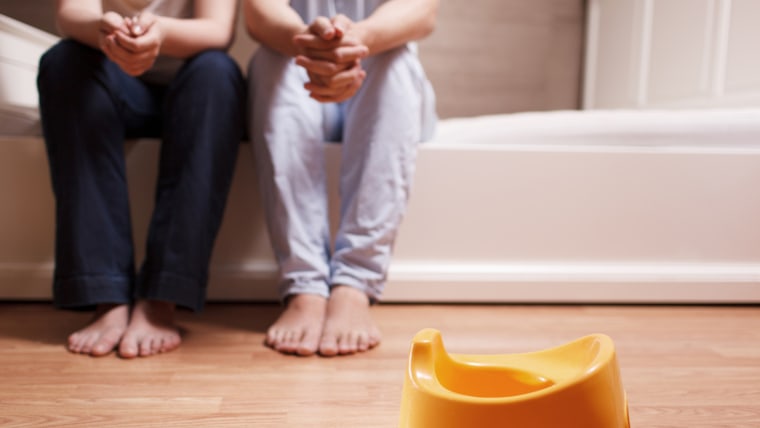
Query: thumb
[[342, 24], [112, 22], [323, 28]]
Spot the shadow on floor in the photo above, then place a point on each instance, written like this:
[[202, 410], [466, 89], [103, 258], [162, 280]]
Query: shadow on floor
[[40, 322]]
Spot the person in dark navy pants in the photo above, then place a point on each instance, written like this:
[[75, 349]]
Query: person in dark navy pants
[[156, 72]]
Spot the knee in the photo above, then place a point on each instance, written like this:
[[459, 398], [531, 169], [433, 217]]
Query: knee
[[213, 69], [401, 62], [269, 69], [213, 76], [66, 63], [67, 52], [398, 58], [397, 72]]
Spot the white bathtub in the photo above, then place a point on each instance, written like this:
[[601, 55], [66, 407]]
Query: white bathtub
[[586, 206]]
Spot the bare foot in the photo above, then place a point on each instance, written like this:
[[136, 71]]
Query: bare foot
[[348, 325], [103, 333], [299, 327], [151, 330]]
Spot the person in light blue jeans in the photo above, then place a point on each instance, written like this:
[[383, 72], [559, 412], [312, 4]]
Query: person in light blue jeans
[[126, 69], [341, 71]]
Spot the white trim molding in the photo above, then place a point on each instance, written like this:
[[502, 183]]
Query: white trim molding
[[575, 283], [439, 282]]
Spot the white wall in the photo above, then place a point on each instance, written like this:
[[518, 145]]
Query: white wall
[[672, 54]]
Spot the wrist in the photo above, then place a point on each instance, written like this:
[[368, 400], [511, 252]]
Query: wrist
[[294, 49], [158, 24], [364, 34]]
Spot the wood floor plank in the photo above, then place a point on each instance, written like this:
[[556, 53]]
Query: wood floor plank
[[682, 366]]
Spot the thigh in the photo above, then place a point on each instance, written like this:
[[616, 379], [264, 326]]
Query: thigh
[[90, 86], [281, 106], [206, 81], [395, 98]]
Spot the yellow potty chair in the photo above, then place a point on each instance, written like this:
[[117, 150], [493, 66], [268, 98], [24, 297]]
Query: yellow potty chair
[[576, 385]]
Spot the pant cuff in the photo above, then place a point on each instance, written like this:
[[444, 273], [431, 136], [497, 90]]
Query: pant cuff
[[181, 290], [311, 287], [85, 292]]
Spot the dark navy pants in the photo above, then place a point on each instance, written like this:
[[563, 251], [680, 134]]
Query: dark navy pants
[[89, 106]]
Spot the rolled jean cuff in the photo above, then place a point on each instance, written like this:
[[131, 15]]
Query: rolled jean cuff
[[291, 288], [85, 292]]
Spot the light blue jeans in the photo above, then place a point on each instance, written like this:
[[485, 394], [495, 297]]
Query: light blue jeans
[[379, 128]]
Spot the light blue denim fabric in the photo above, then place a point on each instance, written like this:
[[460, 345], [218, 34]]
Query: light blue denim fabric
[[379, 129]]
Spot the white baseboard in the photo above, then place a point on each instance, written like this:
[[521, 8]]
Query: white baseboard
[[479, 283], [575, 283]]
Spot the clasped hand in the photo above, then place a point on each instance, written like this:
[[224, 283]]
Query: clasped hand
[[132, 43], [331, 52]]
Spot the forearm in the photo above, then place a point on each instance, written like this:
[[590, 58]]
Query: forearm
[[183, 38], [273, 23], [80, 21], [397, 22], [212, 27]]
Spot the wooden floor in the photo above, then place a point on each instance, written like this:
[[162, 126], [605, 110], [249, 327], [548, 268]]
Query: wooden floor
[[681, 366]]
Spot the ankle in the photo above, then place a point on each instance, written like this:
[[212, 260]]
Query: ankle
[[353, 294], [304, 300], [156, 305], [102, 308], [155, 311]]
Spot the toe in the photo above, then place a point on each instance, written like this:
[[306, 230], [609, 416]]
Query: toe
[[309, 343], [101, 349], [106, 343], [374, 338], [146, 346], [75, 342], [128, 347], [157, 345], [328, 345], [290, 341], [362, 342], [274, 336], [171, 342], [87, 343], [347, 344]]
